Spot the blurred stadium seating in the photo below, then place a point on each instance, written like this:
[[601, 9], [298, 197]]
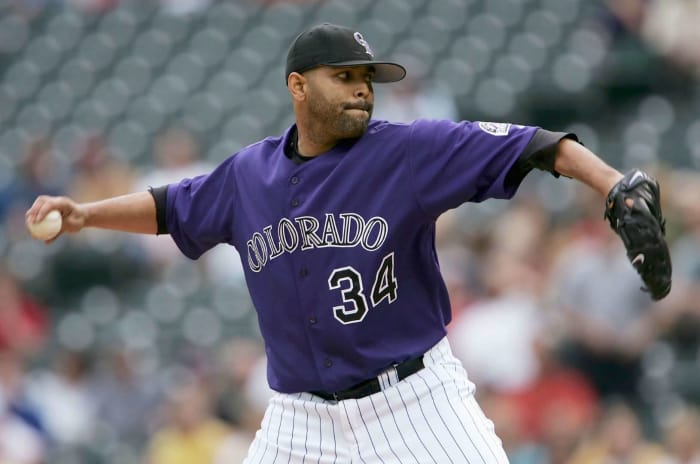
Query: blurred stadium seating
[[134, 69]]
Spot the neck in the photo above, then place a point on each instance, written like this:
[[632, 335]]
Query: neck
[[310, 142]]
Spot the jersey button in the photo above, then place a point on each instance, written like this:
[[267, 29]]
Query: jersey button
[[294, 180], [303, 272], [328, 363], [312, 320], [295, 202]]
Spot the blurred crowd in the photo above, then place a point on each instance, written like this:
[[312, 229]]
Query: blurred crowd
[[34, 7], [602, 374], [117, 349], [69, 396]]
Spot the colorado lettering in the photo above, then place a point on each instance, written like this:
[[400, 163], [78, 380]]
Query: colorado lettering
[[308, 232]]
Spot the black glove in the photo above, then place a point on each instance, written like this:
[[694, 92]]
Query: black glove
[[634, 212]]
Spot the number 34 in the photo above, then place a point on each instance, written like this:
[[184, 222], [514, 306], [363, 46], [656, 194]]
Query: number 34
[[349, 282]]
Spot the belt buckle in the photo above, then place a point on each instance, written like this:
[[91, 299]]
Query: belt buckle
[[394, 374], [389, 377]]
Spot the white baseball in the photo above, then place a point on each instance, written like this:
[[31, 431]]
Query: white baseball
[[47, 228]]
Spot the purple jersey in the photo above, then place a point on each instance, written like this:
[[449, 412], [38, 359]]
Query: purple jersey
[[339, 252]]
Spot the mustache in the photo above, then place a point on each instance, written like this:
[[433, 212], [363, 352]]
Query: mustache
[[366, 106]]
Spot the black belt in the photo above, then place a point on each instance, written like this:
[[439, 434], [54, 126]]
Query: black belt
[[374, 385]]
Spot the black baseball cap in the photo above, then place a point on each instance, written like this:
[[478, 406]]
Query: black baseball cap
[[332, 45]]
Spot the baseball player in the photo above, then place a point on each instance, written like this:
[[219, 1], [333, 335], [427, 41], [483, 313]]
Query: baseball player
[[335, 224]]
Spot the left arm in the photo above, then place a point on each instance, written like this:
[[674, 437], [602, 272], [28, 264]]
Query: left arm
[[578, 162], [633, 208], [632, 202]]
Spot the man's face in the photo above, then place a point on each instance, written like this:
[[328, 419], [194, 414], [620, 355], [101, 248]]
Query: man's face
[[341, 99]]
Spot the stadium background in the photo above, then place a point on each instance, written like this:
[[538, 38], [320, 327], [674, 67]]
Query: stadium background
[[115, 349]]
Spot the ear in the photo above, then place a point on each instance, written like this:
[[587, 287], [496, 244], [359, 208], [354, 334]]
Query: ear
[[296, 83]]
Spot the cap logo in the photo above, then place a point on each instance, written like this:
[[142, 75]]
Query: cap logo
[[361, 40]]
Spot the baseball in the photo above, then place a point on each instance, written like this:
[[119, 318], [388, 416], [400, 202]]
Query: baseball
[[47, 228]]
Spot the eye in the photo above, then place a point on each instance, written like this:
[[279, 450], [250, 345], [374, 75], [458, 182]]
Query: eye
[[342, 75], [369, 77]]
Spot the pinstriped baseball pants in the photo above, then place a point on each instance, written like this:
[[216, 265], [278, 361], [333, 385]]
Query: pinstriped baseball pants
[[429, 417]]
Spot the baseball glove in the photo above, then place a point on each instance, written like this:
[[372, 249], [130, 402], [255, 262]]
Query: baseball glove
[[634, 212]]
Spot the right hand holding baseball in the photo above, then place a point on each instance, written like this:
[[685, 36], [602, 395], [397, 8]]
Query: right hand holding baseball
[[73, 215]]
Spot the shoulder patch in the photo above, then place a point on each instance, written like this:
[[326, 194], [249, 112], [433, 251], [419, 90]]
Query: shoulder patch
[[495, 128]]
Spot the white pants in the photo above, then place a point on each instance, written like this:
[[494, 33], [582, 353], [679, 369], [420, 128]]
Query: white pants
[[429, 417]]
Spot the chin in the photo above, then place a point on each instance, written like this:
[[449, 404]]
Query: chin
[[353, 128], [358, 131]]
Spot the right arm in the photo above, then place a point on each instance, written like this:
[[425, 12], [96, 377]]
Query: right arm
[[134, 212]]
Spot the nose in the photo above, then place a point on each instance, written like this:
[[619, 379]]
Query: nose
[[363, 90]]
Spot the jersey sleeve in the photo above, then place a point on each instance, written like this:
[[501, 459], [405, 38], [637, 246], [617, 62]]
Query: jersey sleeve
[[199, 211], [455, 162]]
